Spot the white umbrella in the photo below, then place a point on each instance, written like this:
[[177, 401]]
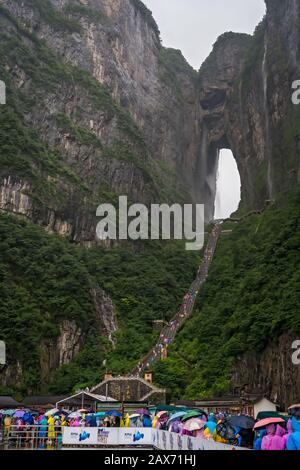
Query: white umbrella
[[75, 414], [194, 425], [52, 412], [135, 415]]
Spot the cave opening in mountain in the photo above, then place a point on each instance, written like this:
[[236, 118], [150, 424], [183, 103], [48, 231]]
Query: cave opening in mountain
[[228, 192]]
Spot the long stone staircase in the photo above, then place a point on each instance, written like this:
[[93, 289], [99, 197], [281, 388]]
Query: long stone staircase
[[168, 333]]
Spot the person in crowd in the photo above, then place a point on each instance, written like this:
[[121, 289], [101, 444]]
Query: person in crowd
[[293, 442], [147, 422], [278, 441], [210, 427], [289, 432], [259, 438], [266, 442]]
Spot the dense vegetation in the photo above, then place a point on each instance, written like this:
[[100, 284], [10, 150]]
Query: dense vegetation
[[251, 297], [45, 280]]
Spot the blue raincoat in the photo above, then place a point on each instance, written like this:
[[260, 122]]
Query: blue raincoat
[[258, 440], [293, 442], [211, 425], [147, 422]]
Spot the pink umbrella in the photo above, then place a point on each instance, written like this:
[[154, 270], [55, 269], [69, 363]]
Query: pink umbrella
[[265, 422], [162, 414], [194, 424]]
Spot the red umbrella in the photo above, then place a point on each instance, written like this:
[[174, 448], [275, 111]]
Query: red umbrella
[[265, 422]]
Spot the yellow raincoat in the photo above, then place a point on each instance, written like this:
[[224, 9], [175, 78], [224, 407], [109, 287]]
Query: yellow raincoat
[[51, 429], [154, 421], [127, 421]]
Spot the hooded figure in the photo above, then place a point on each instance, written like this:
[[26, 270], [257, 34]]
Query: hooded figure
[[277, 441], [210, 427], [51, 429], [258, 441], [266, 442], [43, 427], [289, 432], [147, 422], [293, 442]]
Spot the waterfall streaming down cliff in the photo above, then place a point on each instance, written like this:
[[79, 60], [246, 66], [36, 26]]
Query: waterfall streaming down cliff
[[266, 114]]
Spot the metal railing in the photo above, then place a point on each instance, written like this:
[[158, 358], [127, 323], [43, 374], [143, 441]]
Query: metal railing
[[30, 437]]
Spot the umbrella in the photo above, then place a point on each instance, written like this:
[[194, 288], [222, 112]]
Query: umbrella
[[270, 414], [75, 414], [100, 414], [134, 415], [294, 406], [194, 424], [83, 411], [114, 413], [242, 421], [143, 411], [176, 416], [8, 412], [54, 411], [294, 410], [192, 414], [162, 414], [19, 414], [265, 422]]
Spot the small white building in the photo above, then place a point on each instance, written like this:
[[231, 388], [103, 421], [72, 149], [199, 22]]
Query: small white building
[[263, 404]]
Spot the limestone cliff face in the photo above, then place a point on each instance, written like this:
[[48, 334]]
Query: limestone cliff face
[[246, 99], [241, 100], [135, 134], [106, 313], [53, 354], [270, 372]]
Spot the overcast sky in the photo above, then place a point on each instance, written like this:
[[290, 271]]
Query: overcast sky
[[193, 27]]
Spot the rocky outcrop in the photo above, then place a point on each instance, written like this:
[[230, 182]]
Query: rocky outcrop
[[106, 313], [53, 354], [62, 350], [240, 100], [246, 99], [132, 134], [271, 372]]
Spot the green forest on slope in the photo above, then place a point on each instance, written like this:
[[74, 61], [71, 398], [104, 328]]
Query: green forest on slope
[[250, 298], [44, 279]]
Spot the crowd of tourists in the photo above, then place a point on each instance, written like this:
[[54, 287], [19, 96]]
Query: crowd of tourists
[[168, 333], [270, 431]]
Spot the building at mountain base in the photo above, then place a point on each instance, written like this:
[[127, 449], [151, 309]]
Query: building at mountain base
[[131, 389]]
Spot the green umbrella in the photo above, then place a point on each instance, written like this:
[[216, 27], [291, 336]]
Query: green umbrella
[[192, 414], [271, 414], [8, 412], [171, 408]]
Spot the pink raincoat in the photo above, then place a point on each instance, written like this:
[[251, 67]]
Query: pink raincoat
[[266, 442], [278, 442], [289, 432]]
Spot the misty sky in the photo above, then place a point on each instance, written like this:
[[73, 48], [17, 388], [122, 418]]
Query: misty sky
[[193, 26]]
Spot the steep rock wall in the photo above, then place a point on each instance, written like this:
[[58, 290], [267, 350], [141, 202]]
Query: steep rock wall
[[271, 372]]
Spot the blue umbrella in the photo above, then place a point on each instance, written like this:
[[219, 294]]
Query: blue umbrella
[[114, 413], [100, 414], [8, 412], [28, 419], [176, 416]]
